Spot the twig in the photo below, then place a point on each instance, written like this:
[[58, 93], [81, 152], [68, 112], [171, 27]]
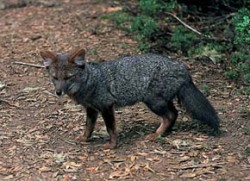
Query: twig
[[199, 166], [69, 142], [9, 104], [183, 23], [28, 64], [194, 30]]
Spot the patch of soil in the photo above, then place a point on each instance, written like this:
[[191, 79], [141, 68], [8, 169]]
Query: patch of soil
[[38, 136]]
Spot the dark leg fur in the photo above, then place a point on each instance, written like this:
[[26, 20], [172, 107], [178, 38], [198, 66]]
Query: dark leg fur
[[90, 123], [168, 113], [172, 114], [109, 119]]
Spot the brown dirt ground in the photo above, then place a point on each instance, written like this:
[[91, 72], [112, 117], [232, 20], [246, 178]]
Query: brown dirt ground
[[38, 136]]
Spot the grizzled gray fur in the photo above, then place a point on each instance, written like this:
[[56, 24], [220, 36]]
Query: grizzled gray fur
[[152, 79]]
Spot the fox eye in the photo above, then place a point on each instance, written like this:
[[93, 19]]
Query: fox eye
[[54, 77], [69, 76]]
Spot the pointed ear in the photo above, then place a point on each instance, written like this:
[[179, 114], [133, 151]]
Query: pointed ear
[[78, 57], [48, 58]]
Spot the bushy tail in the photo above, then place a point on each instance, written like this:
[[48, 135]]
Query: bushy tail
[[198, 105]]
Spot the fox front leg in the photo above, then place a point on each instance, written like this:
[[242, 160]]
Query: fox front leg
[[109, 119], [90, 123]]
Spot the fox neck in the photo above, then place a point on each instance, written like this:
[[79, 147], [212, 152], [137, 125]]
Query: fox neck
[[84, 86]]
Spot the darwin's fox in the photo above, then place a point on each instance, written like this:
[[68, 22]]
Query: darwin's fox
[[152, 79]]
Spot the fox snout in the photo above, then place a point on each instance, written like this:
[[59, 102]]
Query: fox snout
[[60, 87], [59, 92]]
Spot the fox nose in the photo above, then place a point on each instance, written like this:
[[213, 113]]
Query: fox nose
[[58, 92]]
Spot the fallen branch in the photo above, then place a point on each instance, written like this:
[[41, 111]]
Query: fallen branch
[[28, 64], [9, 104], [194, 30], [183, 23], [199, 166]]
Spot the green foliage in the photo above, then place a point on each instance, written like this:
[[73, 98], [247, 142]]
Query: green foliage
[[247, 90], [247, 151], [120, 19], [205, 89], [247, 77], [182, 39], [154, 7], [149, 24], [239, 57], [144, 26], [241, 65], [232, 74], [241, 23], [211, 50], [150, 7]]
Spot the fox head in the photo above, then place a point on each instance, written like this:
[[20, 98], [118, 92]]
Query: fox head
[[64, 70]]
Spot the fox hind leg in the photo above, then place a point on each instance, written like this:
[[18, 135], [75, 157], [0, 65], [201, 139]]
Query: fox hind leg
[[169, 114], [168, 120]]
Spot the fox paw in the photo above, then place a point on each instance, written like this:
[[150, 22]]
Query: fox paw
[[110, 145], [82, 139], [152, 136]]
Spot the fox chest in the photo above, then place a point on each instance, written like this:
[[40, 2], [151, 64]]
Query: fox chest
[[96, 102]]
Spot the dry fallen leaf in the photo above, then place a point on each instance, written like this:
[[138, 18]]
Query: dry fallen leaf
[[9, 177], [231, 159], [142, 154], [184, 158], [45, 169], [247, 177], [91, 169], [71, 165], [178, 143], [133, 158], [120, 174], [188, 175], [113, 9], [31, 89], [149, 168]]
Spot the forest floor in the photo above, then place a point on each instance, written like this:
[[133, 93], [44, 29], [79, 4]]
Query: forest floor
[[38, 136]]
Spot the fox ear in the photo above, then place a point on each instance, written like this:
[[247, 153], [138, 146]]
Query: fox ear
[[48, 58], [78, 57]]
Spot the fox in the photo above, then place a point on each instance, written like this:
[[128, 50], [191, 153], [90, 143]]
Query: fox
[[152, 79]]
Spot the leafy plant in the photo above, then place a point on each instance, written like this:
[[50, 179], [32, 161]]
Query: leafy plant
[[205, 89], [182, 39], [241, 22], [120, 19], [145, 26], [155, 30], [239, 60], [154, 7], [231, 74]]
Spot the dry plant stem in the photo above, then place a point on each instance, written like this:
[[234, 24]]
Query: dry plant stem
[[194, 30], [183, 23], [6, 102], [199, 166], [28, 64]]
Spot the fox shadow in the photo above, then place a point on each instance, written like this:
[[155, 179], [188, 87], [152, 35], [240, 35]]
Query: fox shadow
[[141, 129], [132, 132]]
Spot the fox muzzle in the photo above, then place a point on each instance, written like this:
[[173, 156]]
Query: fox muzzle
[[59, 92]]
